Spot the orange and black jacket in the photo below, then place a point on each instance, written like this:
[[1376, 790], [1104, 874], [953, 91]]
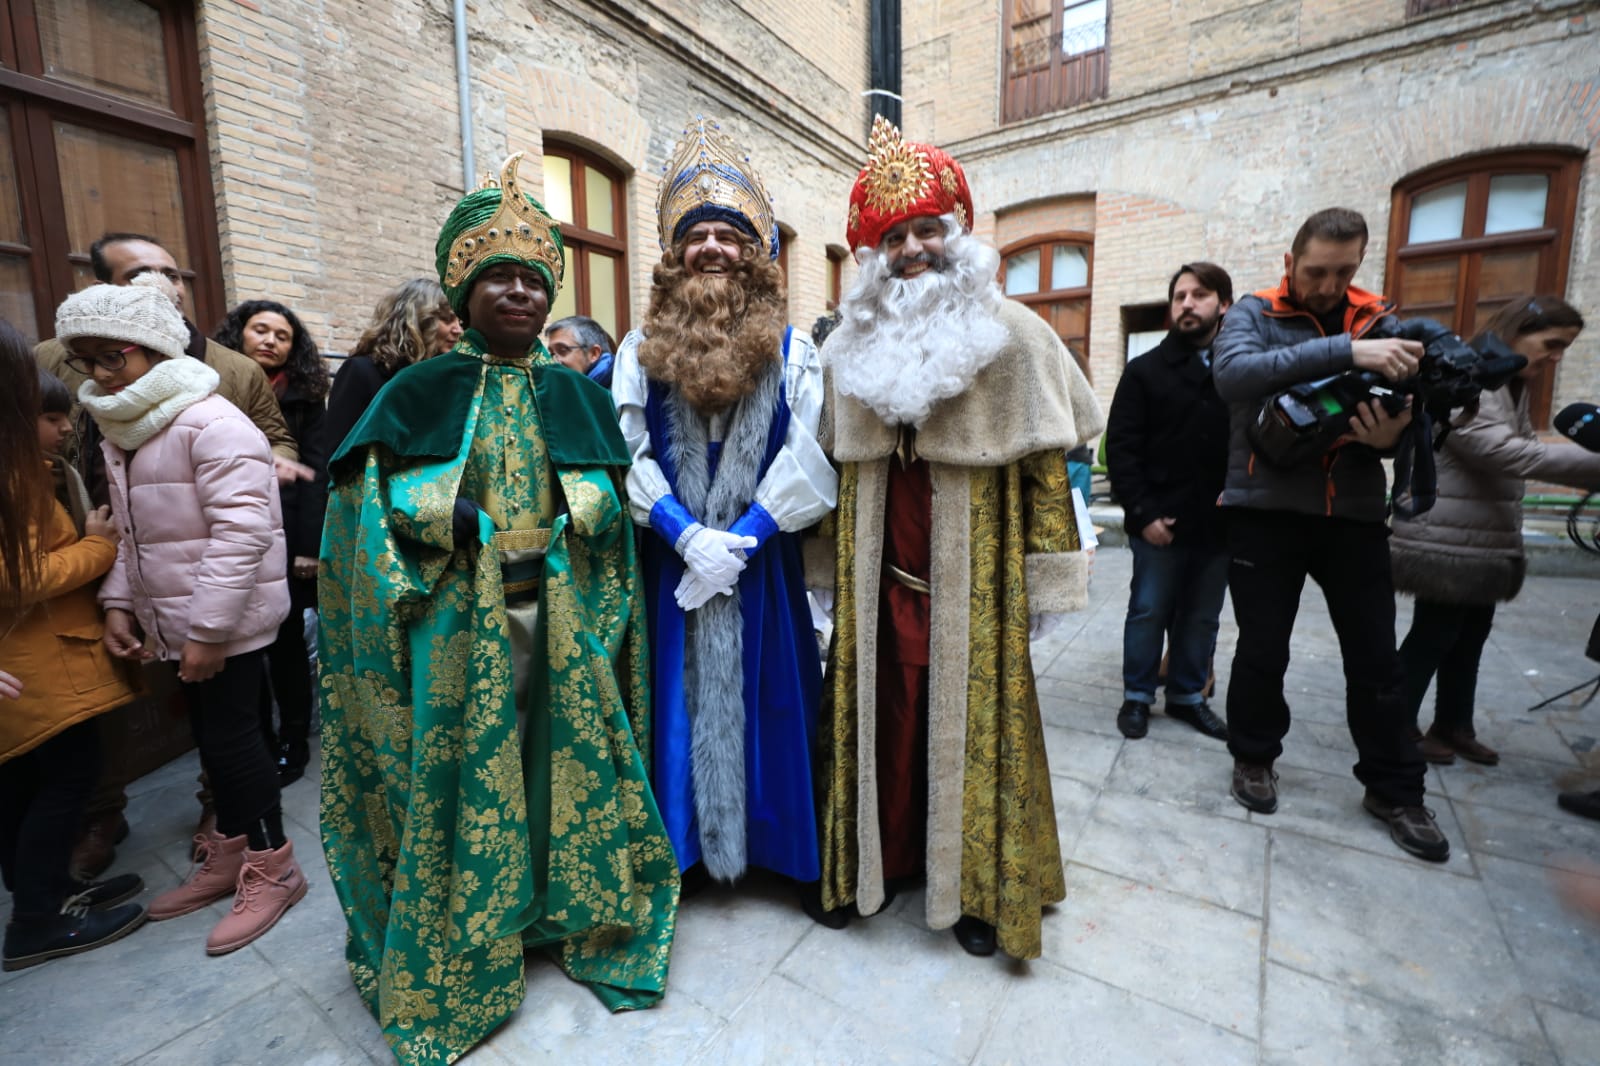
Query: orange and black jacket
[[1267, 344]]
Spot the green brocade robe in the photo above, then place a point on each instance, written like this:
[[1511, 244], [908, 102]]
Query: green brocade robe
[[452, 845]]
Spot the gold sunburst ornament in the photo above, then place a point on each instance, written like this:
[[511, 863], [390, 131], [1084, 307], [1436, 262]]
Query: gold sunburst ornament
[[897, 171], [518, 229]]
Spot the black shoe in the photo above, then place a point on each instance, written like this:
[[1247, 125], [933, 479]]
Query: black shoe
[[1413, 828], [1134, 719], [811, 903], [693, 881], [75, 929], [975, 937], [1201, 717], [102, 895], [1255, 787], [1583, 804], [293, 755]]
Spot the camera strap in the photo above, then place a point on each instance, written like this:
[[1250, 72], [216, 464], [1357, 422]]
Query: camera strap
[[1416, 477]]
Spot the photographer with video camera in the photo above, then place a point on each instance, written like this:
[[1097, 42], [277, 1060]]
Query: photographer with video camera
[[1465, 554], [1322, 518]]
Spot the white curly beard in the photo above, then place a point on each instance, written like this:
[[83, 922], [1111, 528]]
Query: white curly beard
[[904, 344]]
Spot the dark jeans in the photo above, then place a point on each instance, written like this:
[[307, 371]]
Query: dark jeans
[[1446, 639], [1176, 594], [42, 798], [1273, 553], [225, 717], [289, 670]]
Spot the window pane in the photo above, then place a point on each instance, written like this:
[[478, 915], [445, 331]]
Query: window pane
[[1436, 215], [16, 296], [567, 299], [1030, 34], [1069, 267], [116, 183], [603, 290], [1516, 201], [1022, 273], [1508, 273], [597, 202], [558, 188], [115, 46], [11, 230], [1083, 27]]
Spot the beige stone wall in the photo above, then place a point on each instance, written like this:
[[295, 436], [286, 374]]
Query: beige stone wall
[[335, 138], [1226, 167]]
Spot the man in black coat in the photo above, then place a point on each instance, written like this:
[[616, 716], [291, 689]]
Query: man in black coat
[[1167, 454]]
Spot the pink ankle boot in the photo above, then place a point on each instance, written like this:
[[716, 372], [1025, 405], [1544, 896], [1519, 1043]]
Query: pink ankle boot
[[212, 877], [270, 882]]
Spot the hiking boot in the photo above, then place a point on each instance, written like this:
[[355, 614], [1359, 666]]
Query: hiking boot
[[102, 895], [213, 876], [1436, 749], [270, 882], [1134, 719], [76, 929], [1255, 787], [97, 845], [1413, 828], [205, 827], [1201, 717], [1583, 804], [1468, 747]]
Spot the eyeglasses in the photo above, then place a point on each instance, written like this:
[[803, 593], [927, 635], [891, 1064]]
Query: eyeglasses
[[87, 364], [559, 350]]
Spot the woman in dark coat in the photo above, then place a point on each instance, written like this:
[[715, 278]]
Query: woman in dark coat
[[274, 337]]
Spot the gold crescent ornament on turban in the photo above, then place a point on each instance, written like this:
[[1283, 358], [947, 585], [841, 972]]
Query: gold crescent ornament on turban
[[518, 229]]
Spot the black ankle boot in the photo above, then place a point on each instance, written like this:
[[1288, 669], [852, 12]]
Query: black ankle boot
[[77, 929], [976, 937]]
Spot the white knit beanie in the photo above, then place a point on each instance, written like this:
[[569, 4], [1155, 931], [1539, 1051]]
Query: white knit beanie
[[141, 312]]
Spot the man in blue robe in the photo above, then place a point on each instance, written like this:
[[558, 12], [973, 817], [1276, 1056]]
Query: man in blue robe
[[719, 401]]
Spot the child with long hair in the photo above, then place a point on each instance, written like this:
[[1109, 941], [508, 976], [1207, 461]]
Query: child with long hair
[[50, 632], [277, 340], [199, 580]]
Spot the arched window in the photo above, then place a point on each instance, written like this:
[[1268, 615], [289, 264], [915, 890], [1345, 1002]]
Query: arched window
[[588, 196], [836, 257], [1053, 275], [102, 129], [1465, 236]]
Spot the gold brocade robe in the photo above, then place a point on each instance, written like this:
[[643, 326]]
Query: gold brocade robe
[[1005, 545]]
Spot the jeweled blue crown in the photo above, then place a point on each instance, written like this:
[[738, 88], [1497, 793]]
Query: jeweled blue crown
[[707, 178]]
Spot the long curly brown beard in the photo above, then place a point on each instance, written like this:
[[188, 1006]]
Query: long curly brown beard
[[713, 337]]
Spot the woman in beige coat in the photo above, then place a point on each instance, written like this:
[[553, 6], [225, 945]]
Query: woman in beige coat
[[1465, 554]]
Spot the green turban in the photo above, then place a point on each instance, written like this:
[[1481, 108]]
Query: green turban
[[474, 213]]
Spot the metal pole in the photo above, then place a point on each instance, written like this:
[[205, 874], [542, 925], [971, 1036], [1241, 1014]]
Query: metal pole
[[464, 91]]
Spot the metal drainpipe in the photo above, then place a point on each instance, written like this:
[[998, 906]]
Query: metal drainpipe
[[464, 92]]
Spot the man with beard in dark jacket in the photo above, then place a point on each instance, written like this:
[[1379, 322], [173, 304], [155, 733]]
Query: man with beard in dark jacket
[[1167, 453], [1322, 518]]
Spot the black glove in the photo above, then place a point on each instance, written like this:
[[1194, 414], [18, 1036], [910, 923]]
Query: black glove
[[464, 522]]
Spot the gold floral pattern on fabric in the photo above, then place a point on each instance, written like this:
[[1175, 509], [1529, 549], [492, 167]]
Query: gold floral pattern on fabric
[[435, 816], [1011, 865]]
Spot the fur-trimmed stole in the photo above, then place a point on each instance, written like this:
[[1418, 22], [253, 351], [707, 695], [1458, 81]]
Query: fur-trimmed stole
[[713, 675]]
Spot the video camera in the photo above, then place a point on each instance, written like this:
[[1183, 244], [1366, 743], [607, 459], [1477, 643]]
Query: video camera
[[1304, 421]]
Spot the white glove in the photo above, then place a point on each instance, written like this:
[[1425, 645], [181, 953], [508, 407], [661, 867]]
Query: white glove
[[1042, 625], [710, 553], [695, 591]]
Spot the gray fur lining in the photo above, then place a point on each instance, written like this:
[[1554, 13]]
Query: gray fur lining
[[1478, 578], [714, 657]]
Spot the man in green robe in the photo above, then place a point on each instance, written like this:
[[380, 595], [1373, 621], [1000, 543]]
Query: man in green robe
[[485, 704]]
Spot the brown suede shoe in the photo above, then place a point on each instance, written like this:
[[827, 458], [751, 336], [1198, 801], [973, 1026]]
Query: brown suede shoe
[[1412, 828], [1468, 747], [1436, 749], [1255, 787], [97, 845]]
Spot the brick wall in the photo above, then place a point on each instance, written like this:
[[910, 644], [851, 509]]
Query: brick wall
[[335, 137]]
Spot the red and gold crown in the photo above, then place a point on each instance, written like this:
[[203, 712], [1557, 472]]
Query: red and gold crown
[[903, 179]]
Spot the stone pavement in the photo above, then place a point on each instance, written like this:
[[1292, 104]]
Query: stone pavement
[[1193, 931]]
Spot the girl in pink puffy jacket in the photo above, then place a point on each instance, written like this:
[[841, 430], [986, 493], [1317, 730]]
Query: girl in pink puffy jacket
[[199, 579]]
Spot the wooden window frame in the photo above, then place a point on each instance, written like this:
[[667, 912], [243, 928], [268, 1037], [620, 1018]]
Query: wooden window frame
[[1417, 8], [577, 236], [1553, 240], [34, 102], [1062, 82], [1046, 296], [835, 293]]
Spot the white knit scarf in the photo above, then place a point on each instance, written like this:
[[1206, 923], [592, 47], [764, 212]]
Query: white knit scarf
[[143, 409]]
